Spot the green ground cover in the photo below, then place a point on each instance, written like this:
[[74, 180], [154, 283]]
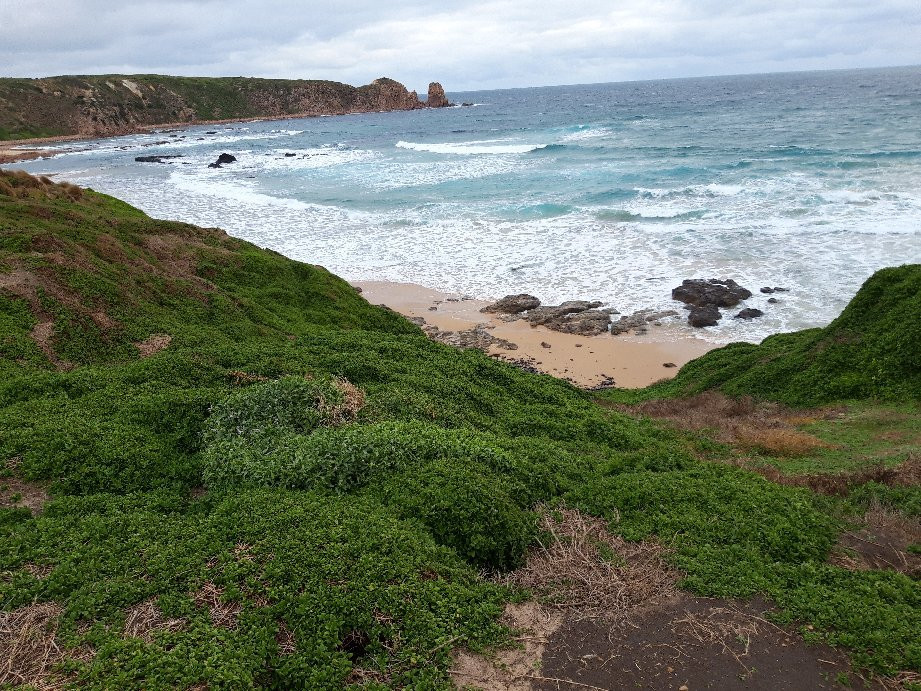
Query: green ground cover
[[316, 491]]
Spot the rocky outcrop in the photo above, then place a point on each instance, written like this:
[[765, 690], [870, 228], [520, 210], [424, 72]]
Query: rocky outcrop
[[513, 304], [704, 297], [715, 292], [704, 316], [436, 96], [580, 317], [94, 106], [749, 313]]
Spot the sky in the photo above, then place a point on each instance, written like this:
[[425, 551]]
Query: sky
[[464, 44]]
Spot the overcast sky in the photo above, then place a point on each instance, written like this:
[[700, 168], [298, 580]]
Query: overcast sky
[[465, 44]]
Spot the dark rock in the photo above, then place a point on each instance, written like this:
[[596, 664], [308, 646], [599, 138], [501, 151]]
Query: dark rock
[[773, 301], [704, 316], [669, 364], [289, 155], [714, 292], [781, 290], [574, 317], [211, 132], [466, 104], [513, 304], [767, 289], [436, 96], [544, 344], [221, 160], [749, 313], [155, 159]]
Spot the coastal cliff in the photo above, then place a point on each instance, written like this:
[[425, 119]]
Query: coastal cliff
[[108, 105]]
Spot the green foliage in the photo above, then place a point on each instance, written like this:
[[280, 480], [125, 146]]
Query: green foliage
[[327, 521]]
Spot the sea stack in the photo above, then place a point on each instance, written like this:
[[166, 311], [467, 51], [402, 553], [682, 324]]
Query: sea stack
[[437, 98]]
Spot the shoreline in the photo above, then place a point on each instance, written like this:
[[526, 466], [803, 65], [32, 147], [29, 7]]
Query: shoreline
[[602, 361], [18, 150]]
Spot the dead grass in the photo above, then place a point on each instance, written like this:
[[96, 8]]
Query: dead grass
[[145, 620], [29, 649], [778, 441], [153, 344], [20, 185], [743, 422], [353, 400], [905, 474], [223, 614], [880, 541], [728, 627], [581, 567]]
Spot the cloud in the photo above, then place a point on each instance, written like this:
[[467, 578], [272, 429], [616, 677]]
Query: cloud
[[466, 44]]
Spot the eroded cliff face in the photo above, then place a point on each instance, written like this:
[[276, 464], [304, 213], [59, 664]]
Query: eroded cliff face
[[96, 106]]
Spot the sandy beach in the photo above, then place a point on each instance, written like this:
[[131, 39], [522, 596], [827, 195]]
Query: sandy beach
[[628, 361]]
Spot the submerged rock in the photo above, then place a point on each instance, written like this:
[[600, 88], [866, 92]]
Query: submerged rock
[[156, 159], [513, 304], [221, 160], [749, 313]]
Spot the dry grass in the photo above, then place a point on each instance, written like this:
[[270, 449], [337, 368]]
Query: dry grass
[[153, 344], [353, 400], [223, 614], [778, 441], [144, 620], [905, 474], [728, 627], [29, 650], [880, 541], [20, 185], [767, 427], [584, 569]]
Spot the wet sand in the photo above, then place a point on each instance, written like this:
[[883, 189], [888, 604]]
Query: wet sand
[[631, 361]]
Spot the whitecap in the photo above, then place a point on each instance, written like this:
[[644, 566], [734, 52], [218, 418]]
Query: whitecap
[[469, 148]]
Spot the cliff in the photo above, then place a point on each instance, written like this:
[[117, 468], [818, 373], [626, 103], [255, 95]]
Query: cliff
[[108, 105]]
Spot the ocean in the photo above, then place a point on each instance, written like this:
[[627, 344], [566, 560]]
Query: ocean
[[616, 192]]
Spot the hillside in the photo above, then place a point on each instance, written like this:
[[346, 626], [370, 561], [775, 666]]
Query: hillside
[[225, 469], [870, 351], [106, 105]]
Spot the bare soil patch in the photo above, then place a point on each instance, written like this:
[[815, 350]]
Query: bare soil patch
[[153, 344], [692, 643], [16, 492], [881, 541]]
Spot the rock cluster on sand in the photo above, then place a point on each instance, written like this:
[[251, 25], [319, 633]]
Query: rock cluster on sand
[[579, 317], [639, 319], [704, 297], [477, 337]]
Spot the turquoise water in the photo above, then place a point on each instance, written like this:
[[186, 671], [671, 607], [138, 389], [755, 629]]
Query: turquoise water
[[614, 191]]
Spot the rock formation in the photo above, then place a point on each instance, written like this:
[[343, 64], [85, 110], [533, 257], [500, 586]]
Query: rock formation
[[436, 97], [704, 297]]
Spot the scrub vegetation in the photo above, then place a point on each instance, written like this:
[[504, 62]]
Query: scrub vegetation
[[240, 473]]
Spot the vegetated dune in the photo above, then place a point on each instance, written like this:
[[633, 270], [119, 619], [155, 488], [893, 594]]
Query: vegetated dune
[[872, 350], [241, 474]]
